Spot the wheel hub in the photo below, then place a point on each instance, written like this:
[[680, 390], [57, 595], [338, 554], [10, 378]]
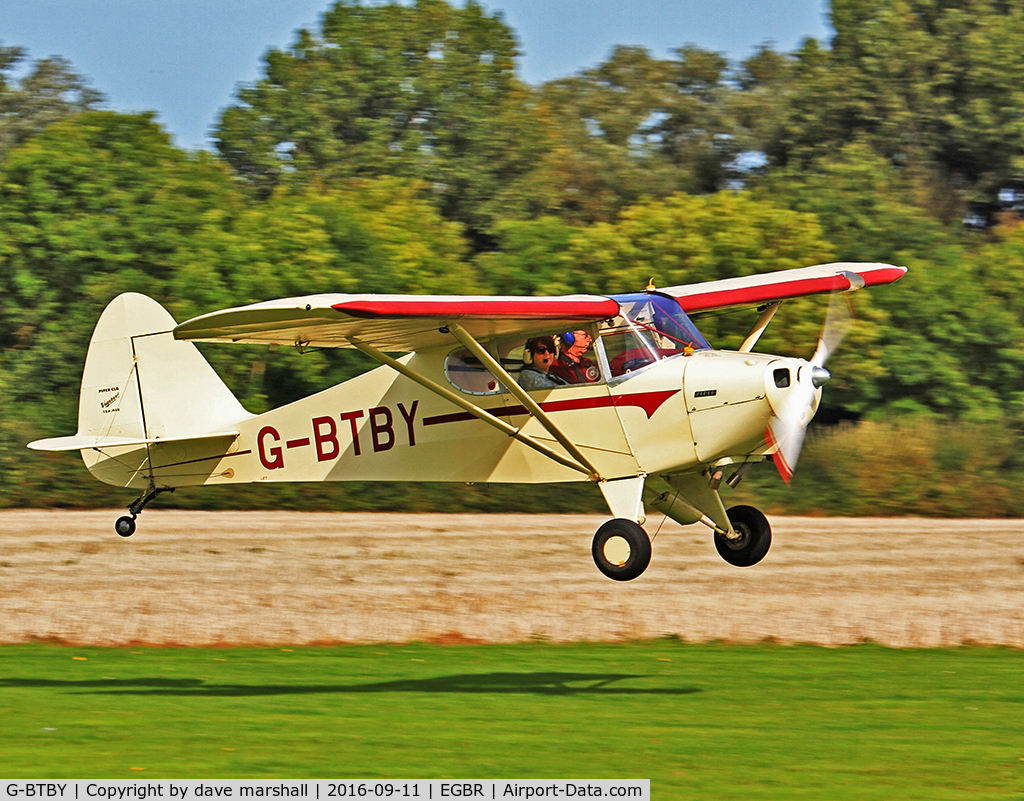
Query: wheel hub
[[617, 551], [742, 539]]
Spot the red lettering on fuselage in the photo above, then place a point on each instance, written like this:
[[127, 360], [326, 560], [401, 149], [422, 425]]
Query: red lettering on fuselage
[[325, 433], [381, 429], [328, 441], [272, 458], [352, 417], [409, 415]]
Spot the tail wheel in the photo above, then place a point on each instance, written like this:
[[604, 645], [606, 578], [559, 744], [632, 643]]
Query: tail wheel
[[622, 549], [755, 537]]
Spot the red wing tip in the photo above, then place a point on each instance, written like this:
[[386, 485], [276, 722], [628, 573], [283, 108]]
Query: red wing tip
[[883, 275]]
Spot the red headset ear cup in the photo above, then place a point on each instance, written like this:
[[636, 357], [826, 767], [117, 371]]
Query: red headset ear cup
[[568, 339]]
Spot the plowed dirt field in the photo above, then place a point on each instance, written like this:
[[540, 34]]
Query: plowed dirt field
[[283, 578]]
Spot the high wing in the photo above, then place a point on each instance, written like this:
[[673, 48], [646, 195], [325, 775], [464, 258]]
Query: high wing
[[755, 290], [405, 323], [394, 323]]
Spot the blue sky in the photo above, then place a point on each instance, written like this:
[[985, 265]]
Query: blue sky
[[183, 59]]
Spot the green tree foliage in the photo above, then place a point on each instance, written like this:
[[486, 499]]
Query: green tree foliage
[[50, 91], [680, 239], [636, 127], [601, 128], [757, 108], [686, 238], [93, 206], [932, 82], [425, 91], [865, 206], [533, 258]]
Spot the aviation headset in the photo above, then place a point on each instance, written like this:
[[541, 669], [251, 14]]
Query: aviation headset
[[568, 338]]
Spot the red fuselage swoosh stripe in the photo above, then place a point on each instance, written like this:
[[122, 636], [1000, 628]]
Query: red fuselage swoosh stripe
[[650, 402]]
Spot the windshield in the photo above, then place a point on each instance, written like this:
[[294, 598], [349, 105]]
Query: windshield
[[649, 328]]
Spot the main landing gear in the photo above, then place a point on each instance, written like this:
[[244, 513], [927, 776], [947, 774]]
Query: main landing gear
[[753, 540], [622, 549], [125, 526]]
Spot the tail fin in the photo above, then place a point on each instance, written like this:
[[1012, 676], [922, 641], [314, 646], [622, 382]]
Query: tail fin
[[140, 385]]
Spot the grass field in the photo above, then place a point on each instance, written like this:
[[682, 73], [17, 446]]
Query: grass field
[[701, 721]]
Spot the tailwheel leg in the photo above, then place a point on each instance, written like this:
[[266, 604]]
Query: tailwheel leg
[[125, 526]]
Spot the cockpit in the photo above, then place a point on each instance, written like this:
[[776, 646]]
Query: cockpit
[[649, 328]]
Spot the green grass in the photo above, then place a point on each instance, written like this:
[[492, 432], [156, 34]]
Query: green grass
[[700, 721]]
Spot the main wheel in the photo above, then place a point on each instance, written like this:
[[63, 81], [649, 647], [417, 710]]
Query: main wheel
[[125, 526], [622, 549], [754, 541]]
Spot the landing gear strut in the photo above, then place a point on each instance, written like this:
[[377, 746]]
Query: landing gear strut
[[622, 549], [125, 526]]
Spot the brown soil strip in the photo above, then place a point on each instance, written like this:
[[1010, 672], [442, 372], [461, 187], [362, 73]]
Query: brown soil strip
[[256, 578]]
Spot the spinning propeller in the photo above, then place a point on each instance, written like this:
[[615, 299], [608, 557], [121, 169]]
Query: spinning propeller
[[795, 406]]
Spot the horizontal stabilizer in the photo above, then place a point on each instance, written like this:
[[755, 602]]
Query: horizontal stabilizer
[[89, 442]]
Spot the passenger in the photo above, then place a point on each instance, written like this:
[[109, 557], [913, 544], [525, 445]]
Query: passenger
[[534, 374], [572, 365]]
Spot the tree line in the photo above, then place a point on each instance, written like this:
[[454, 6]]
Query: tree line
[[394, 149]]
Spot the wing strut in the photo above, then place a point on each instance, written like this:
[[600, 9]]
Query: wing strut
[[759, 326], [476, 411], [520, 395]]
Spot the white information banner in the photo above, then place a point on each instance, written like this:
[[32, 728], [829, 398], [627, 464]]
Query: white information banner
[[320, 789]]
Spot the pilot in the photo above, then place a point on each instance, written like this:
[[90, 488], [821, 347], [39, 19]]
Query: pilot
[[535, 374], [572, 365]]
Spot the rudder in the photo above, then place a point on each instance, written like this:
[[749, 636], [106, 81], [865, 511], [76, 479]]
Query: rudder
[[148, 402], [139, 382]]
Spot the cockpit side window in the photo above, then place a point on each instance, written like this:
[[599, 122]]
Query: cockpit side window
[[466, 373]]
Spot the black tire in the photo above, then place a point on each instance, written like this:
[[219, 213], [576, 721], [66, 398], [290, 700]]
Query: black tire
[[755, 537], [622, 549], [125, 526]]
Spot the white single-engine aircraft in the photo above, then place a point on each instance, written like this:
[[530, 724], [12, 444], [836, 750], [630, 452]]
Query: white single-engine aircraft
[[656, 401]]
